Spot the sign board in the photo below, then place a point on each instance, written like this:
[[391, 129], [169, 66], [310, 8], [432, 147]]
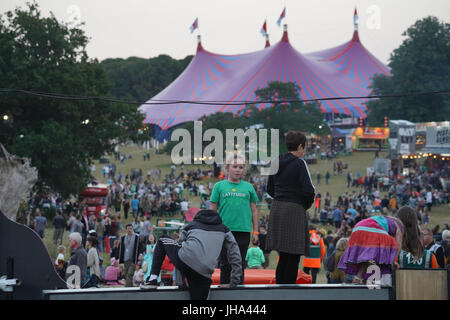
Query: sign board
[[381, 166], [402, 138], [438, 137]]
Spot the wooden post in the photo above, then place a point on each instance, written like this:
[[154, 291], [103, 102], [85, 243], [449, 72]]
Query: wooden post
[[421, 284]]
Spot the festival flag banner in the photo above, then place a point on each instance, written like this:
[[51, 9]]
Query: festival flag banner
[[355, 17], [194, 25], [282, 16], [264, 29]]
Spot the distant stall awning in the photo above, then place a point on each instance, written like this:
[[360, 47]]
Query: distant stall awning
[[436, 150], [341, 133]]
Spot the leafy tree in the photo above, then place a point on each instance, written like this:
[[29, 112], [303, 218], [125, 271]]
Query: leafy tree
[[61, 136], [420, 64], [141, 79], [287, 113]]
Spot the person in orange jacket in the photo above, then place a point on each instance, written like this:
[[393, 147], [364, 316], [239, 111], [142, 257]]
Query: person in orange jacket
[[317, 251]]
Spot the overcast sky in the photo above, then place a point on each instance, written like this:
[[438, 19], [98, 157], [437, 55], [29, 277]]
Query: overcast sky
[[147, 28]]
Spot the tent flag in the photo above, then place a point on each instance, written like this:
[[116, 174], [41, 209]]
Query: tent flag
[[194, 25], [355, 17], [264, 29], [282, 16]]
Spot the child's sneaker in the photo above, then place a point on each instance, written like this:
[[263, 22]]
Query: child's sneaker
[[149, 285]]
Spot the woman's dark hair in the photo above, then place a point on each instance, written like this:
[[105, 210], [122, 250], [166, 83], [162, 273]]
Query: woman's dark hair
[[411, 237], [435, 230], [293, 139], [93, 241]]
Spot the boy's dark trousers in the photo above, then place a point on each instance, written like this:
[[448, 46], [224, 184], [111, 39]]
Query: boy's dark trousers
[[243, 240], [198, 285]]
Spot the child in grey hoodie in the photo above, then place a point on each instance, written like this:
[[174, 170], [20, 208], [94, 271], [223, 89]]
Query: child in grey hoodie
[[196, 253]]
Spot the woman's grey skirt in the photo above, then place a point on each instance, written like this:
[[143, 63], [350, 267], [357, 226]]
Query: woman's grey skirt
[[288, 228]]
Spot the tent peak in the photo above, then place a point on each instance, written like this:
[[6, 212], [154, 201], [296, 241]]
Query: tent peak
[[285, 34], [267, 41], [355, 36], [199, 43]]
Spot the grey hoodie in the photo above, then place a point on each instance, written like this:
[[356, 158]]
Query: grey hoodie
[[202, 241]]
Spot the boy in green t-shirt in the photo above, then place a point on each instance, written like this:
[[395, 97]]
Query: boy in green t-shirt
[[255, 256], [236, 200]]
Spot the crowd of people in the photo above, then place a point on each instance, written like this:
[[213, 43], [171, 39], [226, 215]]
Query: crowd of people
[[331, 226]]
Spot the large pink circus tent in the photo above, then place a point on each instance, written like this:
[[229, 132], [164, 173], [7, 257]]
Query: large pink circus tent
[[221, 83]]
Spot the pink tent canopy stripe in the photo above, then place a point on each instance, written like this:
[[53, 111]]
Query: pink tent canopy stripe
[[342, 71]]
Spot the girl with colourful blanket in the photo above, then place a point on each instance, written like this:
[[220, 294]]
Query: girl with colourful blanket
[[375, 240]]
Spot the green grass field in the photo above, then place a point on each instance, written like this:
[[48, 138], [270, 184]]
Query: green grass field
[[358, 161]]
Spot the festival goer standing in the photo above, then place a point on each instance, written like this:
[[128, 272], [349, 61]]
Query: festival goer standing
[[236, 201], [129, 253], [435, 248], [126, 206], [317, 250], [107, 234], [327, 177], [135, 206], [148, 256], [93, 262], [429, 199], [78, 256], [39, 223], [293, 193], [60, 225], [99, 228], [113, 231], [146, 228], [71, 223]]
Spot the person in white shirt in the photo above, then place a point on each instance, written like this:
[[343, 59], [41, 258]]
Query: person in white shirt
[[429, 199], [184, 205]]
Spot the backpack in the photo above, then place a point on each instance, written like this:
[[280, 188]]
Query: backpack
[[329, 261]]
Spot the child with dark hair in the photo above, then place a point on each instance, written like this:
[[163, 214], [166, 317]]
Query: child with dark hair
[[413, 253], [93, 262]]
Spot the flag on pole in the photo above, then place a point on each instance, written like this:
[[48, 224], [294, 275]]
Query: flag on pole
[[194, 25], [264, 29], [282, 16], [355, 17]]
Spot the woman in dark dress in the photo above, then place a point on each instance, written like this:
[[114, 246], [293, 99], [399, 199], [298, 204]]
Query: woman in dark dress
[[293, 193]]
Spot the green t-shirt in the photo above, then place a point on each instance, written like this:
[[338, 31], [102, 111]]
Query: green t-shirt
[[255, 257], [233, 201]]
